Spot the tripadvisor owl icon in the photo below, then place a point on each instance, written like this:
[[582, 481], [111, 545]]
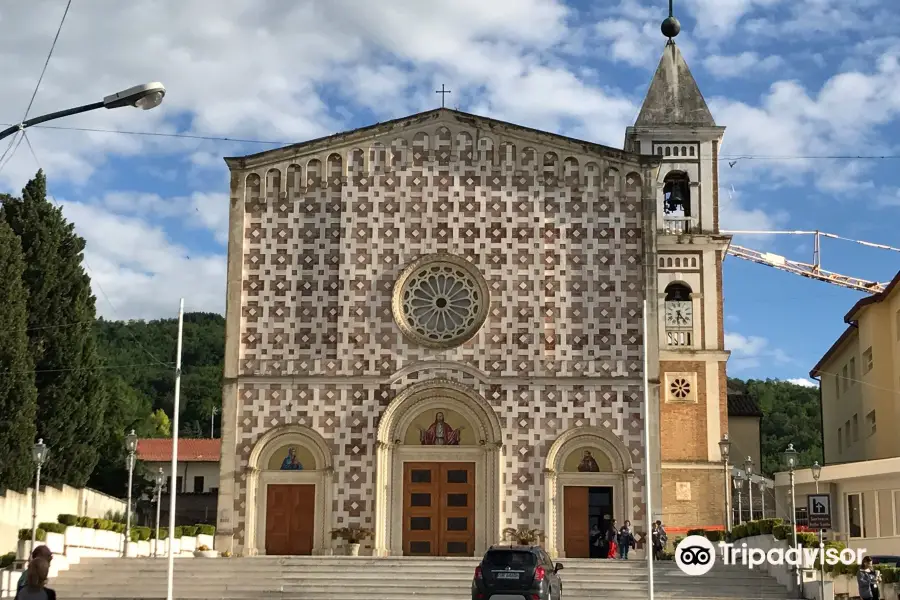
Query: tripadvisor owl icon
[[695, 555]]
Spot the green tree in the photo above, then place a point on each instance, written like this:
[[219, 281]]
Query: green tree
[[160, 425], [791, 415], [18, 396], [61, 310]]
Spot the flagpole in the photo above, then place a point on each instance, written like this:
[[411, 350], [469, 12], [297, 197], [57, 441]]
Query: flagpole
[[648, 479], [173, 480]]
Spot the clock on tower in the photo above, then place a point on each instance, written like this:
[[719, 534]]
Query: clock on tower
[[679, 313]]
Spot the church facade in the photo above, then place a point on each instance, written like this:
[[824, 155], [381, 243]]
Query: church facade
[[435, 333]]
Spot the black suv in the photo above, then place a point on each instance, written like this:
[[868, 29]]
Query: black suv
[[517, 572]]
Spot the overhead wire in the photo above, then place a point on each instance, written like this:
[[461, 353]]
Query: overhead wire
[[21, 133], [96, 368], [215, 138]]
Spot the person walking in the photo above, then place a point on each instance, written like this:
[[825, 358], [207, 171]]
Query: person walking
[[868, 580], [626, 540], [658, 539], [612, 535], [36, 582], [41, 551], [595, 538]]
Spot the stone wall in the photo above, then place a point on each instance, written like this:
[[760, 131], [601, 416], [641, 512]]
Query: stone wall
[[15, 509]]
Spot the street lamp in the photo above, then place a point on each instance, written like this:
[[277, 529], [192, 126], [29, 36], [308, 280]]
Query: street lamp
[[816, 473], [748, 466], [160, 480], [145, 97], [130, 447], [739, 486], [39, 454], [725, 449], [790, 461]]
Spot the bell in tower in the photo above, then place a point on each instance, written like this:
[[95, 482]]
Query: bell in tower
[[677, 192]]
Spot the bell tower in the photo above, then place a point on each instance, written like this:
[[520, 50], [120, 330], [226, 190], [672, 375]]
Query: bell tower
[[675, 124]]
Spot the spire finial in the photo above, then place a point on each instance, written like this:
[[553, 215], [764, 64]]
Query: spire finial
[[671, 27]]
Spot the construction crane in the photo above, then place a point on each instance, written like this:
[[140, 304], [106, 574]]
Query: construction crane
[[812, 270]]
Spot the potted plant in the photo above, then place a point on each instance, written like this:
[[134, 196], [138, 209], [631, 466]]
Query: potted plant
[[203, 551], [524, 536], [353, 536]]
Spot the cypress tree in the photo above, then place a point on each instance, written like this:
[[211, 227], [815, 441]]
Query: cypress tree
[[61, 309], [18, 397]]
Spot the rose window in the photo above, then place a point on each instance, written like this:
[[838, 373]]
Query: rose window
[[441, 301], [680, 388]]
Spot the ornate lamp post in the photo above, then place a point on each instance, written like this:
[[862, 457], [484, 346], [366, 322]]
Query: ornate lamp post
[[130, 447], [160, 480], [725, 449], [816, 473], [39, 454], [739, 486], [748, 467], [790, 461]]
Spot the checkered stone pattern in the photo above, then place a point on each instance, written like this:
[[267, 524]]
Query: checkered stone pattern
[[557, 237], [531, 417], [554, 228]]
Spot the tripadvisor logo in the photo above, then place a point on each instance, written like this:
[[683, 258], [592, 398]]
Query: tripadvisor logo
[[696, 555]]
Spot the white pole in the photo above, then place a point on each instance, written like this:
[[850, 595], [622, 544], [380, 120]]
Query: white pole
[[158, 501], [762, 491], [173, 486], [34, 507], [648, 510], [750, 491], [128, 506]]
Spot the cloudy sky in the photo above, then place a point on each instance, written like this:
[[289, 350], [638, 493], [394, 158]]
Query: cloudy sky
[[803, 87]]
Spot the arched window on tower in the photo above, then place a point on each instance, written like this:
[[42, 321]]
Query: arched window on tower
[[677, 194], [679, 315]]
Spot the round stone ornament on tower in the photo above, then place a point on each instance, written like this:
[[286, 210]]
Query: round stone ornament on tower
[[671, 27]]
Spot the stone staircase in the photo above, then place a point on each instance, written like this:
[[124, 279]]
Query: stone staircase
[[397, 578]]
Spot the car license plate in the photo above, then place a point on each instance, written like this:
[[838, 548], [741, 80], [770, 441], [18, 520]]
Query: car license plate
[[507, 575]]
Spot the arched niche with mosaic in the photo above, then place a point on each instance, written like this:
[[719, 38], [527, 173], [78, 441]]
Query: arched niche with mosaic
[[291, 457], [440, 301], [440, 427], [587, 459]]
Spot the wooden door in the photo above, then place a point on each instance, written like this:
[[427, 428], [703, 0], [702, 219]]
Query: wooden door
[[290, 519], [576, 532], [439, 509]]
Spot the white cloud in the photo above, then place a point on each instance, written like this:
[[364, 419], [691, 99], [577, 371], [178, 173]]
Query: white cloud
[[752, 352], [138, 272], [804, 382], [741, 65]]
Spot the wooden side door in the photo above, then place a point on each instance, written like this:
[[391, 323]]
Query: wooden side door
[[457, 496], [303, 519], [278, 519], [576, 532], [421, 509], [290, 519]]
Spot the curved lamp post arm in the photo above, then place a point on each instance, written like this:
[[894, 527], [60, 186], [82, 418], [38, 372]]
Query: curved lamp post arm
[[146, 96], [49, 117]]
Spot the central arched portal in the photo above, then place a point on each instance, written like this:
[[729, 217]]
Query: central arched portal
[[438, 473]]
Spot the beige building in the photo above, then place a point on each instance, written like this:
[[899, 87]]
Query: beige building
[[435, 331], [860, 382], [860, 389]]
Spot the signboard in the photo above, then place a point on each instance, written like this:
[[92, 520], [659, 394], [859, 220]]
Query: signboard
[[818, 510]]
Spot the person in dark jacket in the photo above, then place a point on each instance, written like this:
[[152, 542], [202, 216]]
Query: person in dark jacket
[[626, 540], [659, 539], [596, 541], [35, 587], [41, 551], [868, 580]]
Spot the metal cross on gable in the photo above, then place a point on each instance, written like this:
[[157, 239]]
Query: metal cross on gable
[[443, 93]]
